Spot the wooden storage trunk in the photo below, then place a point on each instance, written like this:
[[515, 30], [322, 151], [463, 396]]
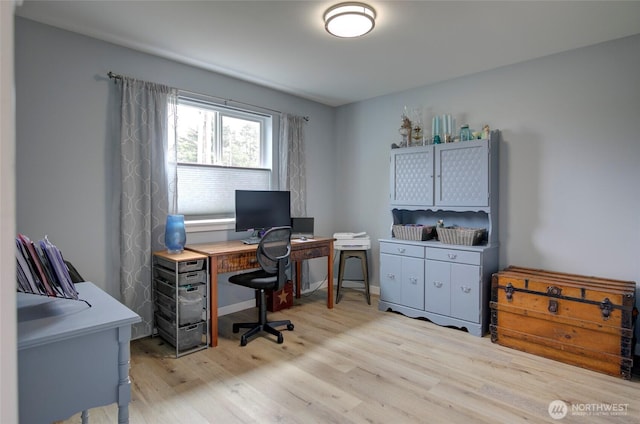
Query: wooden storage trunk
[[579, 320]]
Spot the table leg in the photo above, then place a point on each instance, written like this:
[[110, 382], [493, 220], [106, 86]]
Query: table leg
[[213, 301], [124, 383], [85, 416], [330, 277], [123, 415], [298, 279]]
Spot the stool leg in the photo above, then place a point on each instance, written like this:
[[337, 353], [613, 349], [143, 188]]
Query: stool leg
[[365, 276], [341, 266]]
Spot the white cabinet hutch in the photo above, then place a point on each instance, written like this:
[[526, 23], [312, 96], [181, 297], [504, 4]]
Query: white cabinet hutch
[[447, 284]]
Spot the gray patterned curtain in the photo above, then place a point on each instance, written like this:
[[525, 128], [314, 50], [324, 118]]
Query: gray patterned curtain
[[148, 171], [293, 174]]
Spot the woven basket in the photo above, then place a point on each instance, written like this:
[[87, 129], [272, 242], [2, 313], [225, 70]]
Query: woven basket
[[460, 235], [413, 232]]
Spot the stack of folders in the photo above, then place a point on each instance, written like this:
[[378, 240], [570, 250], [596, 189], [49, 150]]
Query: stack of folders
[[41, 269]]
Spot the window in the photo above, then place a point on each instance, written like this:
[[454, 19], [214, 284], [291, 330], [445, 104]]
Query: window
[[220, 149]]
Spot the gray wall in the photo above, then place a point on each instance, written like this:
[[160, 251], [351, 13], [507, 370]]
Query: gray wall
[[67, 172], [570, 157]]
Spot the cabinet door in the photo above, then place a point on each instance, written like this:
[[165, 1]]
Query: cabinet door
[[412, 176], [437, 287], [390, 277], [462, 174], [465, 292], [413, 282]]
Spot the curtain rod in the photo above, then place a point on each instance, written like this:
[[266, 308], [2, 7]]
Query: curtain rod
[[115, 76]]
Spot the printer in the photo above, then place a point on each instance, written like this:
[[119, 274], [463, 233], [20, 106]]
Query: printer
[[351, 241]]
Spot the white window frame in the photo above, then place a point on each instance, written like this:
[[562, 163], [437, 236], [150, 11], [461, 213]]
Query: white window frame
[[268, 151]]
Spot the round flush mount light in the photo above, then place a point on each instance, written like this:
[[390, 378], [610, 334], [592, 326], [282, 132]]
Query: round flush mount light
[[348, 20]]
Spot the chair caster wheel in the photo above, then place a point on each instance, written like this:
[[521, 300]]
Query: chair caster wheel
[[290, 327], [235, 328], [280, 339]]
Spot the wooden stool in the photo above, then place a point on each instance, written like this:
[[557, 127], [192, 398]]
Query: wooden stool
[[359, 254]]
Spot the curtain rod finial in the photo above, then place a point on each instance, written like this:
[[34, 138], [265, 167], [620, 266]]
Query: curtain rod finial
[[114, 76]]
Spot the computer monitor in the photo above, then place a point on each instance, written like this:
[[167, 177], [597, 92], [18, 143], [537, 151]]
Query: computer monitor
[[259, 210], [302, 227]]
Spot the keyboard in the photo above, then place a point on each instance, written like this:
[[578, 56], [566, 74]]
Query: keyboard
[[251, 240]]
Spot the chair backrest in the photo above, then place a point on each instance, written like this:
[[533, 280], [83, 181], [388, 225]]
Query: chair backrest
[[273, 252]]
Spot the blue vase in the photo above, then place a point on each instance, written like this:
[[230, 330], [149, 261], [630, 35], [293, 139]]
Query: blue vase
[[175, 236]]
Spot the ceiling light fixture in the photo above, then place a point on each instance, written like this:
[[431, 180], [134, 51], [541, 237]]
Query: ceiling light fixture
[[348, 20]]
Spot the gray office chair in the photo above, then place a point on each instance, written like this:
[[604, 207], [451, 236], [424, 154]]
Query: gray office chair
[[273, 254]]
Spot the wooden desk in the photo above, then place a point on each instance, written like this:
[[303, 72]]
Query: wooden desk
[[72, 357], [231, 256]]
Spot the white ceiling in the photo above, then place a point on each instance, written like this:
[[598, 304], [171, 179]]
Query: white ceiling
[[283, 44]]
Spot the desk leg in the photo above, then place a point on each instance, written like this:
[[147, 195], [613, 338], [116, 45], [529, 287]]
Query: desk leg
[[213, 301], [85, 417], [330, 277], [298, 279], [298, 265]]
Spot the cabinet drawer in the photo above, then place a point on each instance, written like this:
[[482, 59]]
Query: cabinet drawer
[[184, 337], [402, 249], [453, 255], [187, 292], [188, 310], [236, 262], [183, 266], [316, 252], [183, 278]]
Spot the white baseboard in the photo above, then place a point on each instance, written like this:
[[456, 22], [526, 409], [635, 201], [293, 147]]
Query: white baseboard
[[236, 307], [345, 283], [248, 304]]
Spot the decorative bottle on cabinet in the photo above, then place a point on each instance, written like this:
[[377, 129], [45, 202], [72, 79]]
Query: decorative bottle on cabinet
[[465, 133]]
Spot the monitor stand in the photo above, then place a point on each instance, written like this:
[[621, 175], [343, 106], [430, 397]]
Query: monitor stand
[[253, 239]]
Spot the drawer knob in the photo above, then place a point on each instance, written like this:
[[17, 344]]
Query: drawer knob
[[452, 255], [391, 276], [465, 289], [401, 249], [438, 284], [413, 280]]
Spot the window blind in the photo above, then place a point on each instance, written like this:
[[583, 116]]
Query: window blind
[[208, 192]]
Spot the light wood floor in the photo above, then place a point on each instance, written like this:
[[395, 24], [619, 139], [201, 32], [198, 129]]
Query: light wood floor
[[355, 364]]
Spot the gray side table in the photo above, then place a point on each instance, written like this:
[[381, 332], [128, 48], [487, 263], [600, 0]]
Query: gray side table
[[72, 357]]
